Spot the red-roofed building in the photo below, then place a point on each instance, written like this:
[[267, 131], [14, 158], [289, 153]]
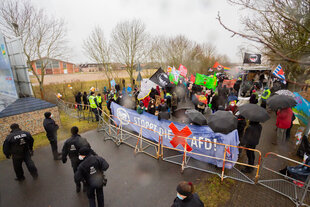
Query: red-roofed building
[[55, 67]]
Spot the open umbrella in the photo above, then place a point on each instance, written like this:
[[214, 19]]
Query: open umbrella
[[285, 93], [185, 105], [223, 122], [281, 102], [196, 117], [254, 112]]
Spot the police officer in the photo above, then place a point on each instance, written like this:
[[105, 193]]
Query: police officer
[[71, 148], [92, 171], [99, 103], [19, 145], [93, 104], [266, 94], [51, 132]]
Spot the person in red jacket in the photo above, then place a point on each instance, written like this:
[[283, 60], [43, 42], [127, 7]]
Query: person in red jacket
[[284, 121]]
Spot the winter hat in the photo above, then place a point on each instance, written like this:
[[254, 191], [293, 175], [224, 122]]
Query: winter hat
[[47, 114], [84, 151]]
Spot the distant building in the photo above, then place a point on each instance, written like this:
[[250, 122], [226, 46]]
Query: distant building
[[54, 66], [91, 67], [95, 67]]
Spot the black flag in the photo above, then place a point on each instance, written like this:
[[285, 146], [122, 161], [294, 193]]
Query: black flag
[[252, 58], [160, 78]]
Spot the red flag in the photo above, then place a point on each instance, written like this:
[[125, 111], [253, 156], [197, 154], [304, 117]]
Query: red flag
[[183, 70], [218, 66], [192, 79]]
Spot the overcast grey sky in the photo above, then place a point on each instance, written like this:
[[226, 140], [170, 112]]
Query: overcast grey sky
[[196, 19]]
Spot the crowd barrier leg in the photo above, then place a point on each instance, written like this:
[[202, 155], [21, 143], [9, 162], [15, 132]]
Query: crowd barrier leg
[[223, 168]]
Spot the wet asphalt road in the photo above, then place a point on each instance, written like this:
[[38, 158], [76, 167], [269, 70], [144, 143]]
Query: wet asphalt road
[[133, 180]]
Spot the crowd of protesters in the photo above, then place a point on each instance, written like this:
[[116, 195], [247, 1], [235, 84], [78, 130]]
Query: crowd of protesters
[[165, 102]]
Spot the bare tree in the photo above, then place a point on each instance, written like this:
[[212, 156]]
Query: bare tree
[[43, 36], [98, 50], [129, 44], [157, 53], [282, 28], [178, 49]]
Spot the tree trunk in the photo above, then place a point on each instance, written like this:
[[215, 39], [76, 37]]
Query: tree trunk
[[41, 90]]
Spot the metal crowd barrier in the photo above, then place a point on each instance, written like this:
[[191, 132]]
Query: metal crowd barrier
[[76, 110], [120, 135], [297, 191], [186, 161], [264, 174]]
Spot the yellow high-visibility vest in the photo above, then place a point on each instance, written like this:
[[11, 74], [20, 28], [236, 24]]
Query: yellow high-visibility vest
[[92, 102], [99, 100], [266, 94]]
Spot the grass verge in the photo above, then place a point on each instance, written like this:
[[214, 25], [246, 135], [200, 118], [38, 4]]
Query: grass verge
[[63, 133], [213, 192]]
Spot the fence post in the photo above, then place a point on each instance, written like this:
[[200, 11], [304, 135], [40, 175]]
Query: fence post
[[258, 168], [223, 168], [158, 145], [184, 156]]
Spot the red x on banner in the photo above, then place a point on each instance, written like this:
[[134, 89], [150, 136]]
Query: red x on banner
[[179, 136]]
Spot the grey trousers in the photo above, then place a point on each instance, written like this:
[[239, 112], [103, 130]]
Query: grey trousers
[[281, 135]]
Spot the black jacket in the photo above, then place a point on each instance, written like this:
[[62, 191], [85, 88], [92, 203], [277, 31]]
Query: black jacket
[[190, 201], [51, 129], [91, 170], [72, 147], [240, 127], [252, 134], [85, 99], [17, 143], [164, 114], [78, 98]]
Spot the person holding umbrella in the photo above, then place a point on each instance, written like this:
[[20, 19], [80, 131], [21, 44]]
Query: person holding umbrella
[[251, 138], [284, 121], [252, 134], [282, 104]]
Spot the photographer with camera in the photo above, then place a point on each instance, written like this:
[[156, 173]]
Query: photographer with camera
[[91, 169]]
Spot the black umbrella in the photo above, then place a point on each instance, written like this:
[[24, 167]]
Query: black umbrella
[[254, 112], [281, 102], [185, 105], [196, 117], [223, 122]]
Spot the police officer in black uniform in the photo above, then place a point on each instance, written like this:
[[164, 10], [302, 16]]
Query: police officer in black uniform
[[51, 132], [19, 145], [71, 148], [92, 170]]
